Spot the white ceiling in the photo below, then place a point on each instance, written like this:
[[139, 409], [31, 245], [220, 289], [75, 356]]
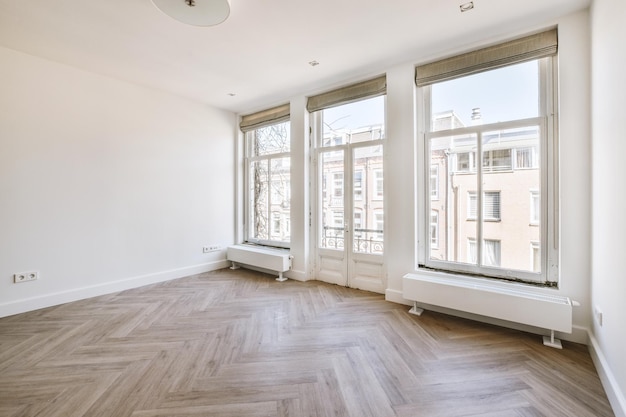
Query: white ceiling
[[261, 53]]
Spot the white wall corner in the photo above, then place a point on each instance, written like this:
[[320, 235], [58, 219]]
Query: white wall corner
[[609, 382], [49, 300]]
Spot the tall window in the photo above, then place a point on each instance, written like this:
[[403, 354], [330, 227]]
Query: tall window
[[488, 122], [348, 132], [268, 177]]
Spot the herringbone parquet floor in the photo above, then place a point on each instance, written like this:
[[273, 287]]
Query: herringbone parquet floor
[[238, 343]]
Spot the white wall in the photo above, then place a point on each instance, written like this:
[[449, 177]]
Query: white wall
[[609, 200], [105, 185]]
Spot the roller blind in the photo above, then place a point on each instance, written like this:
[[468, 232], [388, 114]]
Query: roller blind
[[265, 117], [370, 88], [513, 52]]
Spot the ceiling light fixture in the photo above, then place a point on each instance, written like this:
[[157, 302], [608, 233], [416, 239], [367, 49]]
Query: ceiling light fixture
[[466, 6], [195, 12]]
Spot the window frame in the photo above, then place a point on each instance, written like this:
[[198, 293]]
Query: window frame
[[547, 122]]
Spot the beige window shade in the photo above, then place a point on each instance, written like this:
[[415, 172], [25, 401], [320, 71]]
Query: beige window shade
[[516, 51], [264, 118], [370, 88]]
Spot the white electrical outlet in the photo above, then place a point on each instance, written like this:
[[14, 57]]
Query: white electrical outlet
[[210, 248], [598, 314], [25, 276]]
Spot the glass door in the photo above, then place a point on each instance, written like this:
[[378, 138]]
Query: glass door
[[349, 219]]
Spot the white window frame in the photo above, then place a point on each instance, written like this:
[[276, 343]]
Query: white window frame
[[548, 127]]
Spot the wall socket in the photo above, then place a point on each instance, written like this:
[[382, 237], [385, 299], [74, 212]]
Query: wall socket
[[211, 248], [598, 313], [25, 276]]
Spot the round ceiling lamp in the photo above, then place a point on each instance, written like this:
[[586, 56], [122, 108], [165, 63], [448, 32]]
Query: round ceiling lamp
[[195, 12]]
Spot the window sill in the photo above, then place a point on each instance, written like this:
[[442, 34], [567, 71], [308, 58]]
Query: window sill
[[478, 281]]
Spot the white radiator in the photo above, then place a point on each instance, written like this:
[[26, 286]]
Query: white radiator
[[478, 297], [278, 260]]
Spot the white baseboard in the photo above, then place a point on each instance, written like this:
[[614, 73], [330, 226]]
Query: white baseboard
[[395, 296], [297, 275], [49, 300], [611, 387], [578, 335]]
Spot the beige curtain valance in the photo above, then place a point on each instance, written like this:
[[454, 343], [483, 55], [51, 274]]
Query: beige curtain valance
[[265, 117], [370, 88], [516, 51]]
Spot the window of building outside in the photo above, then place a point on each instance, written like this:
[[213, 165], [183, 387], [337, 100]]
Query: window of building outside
[[491, 205], [338, 184], [379, 218], [535, 207], [268, 190], [434, 229], [491, 134], [378, 184], [358, 185], [434, 182]]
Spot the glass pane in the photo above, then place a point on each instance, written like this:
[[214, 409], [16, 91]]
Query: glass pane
[[271, 139], [368, 202], [511, 200], [259, 176], [454, 224], [332, 199], [280, 196], [499, 95], [360, 121]]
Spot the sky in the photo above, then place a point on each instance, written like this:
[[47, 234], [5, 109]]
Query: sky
[[361, 113], [499, 100], [491, 91]]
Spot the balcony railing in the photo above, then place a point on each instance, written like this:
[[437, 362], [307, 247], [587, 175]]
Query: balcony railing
[[364, 241]]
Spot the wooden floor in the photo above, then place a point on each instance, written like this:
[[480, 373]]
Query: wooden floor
[[238, 343]]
